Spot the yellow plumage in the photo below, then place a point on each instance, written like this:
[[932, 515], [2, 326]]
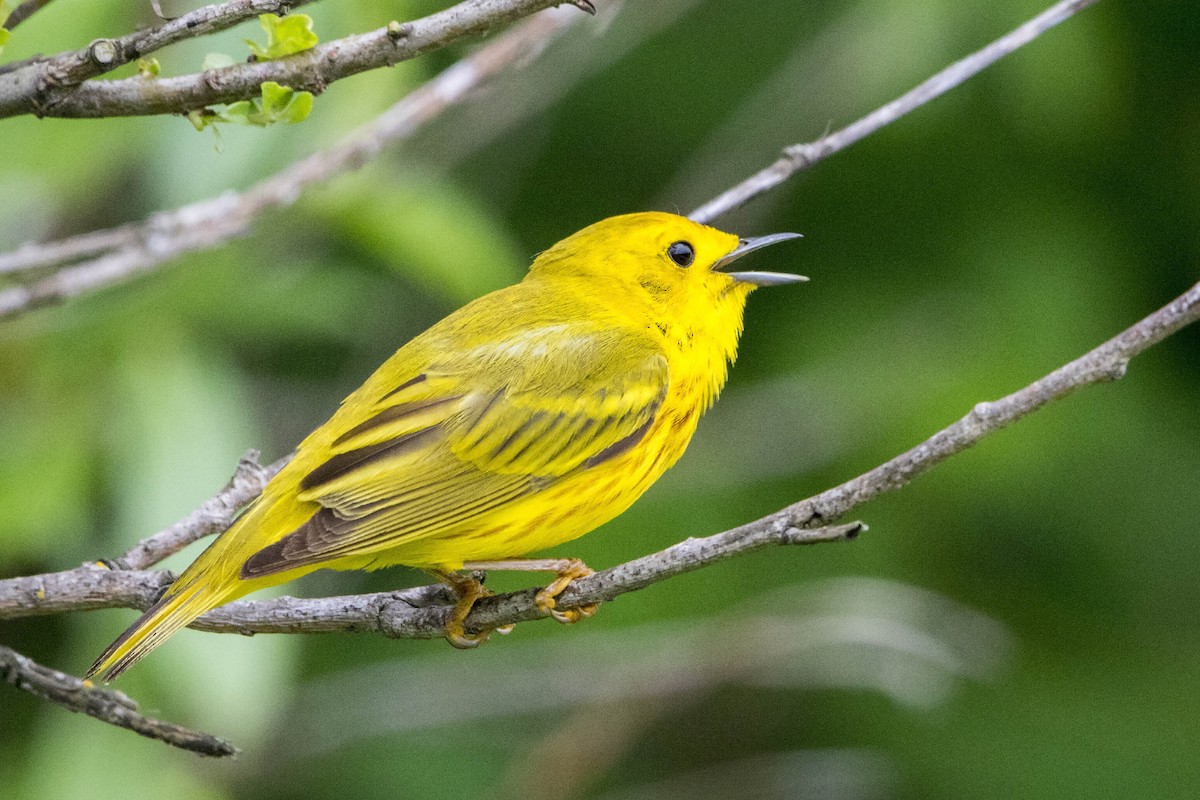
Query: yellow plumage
[[523, 420]]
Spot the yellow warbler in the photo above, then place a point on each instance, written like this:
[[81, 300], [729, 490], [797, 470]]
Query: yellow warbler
[[523, 420]]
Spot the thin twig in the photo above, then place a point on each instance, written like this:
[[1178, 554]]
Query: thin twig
[[132, 250], [419, 614], [106, 705], [33, 91], [800, 157]]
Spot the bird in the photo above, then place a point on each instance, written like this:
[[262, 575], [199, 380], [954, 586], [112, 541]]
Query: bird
[[521, 421]]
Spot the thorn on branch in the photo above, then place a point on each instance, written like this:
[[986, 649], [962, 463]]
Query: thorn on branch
[[585, 5]]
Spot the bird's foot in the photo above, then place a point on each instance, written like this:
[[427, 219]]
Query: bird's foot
[[469, 590], [568, 569], [546, 600]]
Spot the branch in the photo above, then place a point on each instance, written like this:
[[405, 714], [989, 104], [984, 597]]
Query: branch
[[418, 613], [30, 78], [800, 157], [28, 91], [106, 705], [422, 613], [132, 250]]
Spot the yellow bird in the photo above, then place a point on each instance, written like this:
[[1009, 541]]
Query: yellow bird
[[521, 421]]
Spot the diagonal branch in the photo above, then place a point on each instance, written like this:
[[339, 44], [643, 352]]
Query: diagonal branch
[[106, 705], [422, 613], [32, 92], [409, 613], [132, 250], [800, 157]]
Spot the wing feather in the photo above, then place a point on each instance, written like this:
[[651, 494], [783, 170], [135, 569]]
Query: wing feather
[[469, 435]]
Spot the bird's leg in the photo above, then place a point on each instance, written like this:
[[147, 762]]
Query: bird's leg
[[568, 569], [469, 589]]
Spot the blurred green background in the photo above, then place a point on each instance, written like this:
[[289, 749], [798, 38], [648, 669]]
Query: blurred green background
[[1020, 622]]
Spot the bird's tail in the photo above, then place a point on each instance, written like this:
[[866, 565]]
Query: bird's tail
[[182, 603], [203, 586]]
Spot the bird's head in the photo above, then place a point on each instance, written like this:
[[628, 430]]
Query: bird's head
[[668, 260]]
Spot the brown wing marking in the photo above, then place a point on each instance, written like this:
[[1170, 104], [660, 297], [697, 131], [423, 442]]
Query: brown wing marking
[[392, 414], [620, 446], [344, 463], [407, 384], [294, 549]]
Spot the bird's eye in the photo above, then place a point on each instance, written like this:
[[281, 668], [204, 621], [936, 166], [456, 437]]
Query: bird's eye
[[682, 254]]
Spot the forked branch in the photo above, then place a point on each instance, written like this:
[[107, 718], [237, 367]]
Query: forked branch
[[122, 253], [57, 87]]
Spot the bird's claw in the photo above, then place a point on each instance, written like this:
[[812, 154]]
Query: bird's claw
[[546, 599], [458, 637], [572, 615], [469, 589]]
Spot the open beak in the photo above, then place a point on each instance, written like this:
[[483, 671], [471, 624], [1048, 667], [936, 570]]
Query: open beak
[[758, 278]]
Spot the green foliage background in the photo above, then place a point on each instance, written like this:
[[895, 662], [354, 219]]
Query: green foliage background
[[955, 257]]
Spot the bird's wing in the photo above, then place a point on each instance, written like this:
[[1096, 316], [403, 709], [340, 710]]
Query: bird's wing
[[470, 434]]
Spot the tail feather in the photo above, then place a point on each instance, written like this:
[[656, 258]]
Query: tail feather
[[173, 611]]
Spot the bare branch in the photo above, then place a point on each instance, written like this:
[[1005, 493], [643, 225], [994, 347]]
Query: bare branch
[[36, 256], [800, 157], [106, 705], [105, 55], [86, 588], [29, 91], [131, 250], [410, 613]]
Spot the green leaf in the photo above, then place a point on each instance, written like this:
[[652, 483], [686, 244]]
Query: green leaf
[[5, 33], [238, 113], [275, 97], [216, 61], [282, 104], [298, 109], [148, 67], [277, 104], [285, 35]]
